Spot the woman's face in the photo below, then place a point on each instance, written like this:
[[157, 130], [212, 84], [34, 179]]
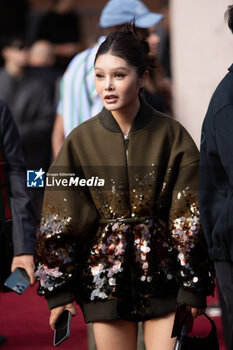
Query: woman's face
[[117, 83]]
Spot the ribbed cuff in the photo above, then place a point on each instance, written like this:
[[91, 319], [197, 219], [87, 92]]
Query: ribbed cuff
[[60, 298], [186, 297]]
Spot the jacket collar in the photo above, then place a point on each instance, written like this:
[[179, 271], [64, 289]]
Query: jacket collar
[[142, 118]]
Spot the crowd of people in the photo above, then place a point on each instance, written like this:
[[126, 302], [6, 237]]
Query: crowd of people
[[130, 249]]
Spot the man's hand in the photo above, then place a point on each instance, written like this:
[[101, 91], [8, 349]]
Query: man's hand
[[57, 311], [27, 263]]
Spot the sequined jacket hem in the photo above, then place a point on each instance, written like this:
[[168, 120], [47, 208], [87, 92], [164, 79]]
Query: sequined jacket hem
[[109, 310]]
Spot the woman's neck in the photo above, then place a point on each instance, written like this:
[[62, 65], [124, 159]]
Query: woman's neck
[[125, 116]]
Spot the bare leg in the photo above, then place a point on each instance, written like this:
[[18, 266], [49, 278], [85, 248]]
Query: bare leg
[[116, 335], [157, 333]]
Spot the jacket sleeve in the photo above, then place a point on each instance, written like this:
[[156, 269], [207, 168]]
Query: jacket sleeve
[[224, 141], [40, 122], [195, 274], [69, 219], [216, 181], [24, 226]]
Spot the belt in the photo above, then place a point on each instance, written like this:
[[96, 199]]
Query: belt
[[126, 220]]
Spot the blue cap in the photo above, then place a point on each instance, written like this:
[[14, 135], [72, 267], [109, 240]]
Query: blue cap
[[118, 12]]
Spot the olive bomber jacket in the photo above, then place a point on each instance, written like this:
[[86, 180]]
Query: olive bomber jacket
[[153, 176]]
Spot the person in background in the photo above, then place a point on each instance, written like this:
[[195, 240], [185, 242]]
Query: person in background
[[78, 97], [31, 104], [163, 29], [216, 181], [61, 28], [41, 54], [20, 208], [157, 91], [41, 66]]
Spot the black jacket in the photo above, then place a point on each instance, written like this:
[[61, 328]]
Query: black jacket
[[216, 172], [24, 229], [32, 108]]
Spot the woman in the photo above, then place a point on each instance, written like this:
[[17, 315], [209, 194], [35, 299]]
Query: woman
[[126, 243], [157, 90]]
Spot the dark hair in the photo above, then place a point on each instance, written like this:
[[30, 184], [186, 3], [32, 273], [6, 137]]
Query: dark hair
[[229, 17], [128, 45], [14, 41]]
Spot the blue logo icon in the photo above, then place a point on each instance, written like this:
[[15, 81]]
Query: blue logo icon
[[35, 178]]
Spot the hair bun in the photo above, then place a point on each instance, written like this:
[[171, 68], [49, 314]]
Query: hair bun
[[130, 44]]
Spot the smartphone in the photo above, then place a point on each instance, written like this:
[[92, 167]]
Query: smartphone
[[18, 281], [62, 328]]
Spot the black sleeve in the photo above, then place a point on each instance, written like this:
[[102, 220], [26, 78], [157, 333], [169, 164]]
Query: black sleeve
[[224, 139], [24, 228], [41, 121]]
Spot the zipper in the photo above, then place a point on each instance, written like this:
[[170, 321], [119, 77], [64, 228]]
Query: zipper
[[126, 141], [126, 144]]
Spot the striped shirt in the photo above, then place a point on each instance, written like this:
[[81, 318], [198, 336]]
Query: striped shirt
[[78, 97]]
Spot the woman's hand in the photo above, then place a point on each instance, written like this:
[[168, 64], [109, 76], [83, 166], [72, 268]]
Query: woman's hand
[[195, 311], [57, 311]]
